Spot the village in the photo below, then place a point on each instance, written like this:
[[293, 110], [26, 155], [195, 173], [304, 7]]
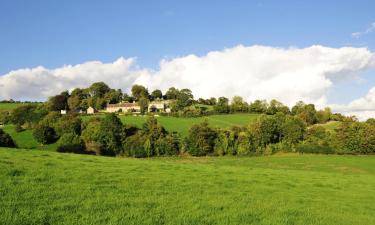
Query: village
[[156, 106]]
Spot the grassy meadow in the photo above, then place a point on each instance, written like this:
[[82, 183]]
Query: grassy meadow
[[10, 106], [39, 187], [25, 139], [182, 125]]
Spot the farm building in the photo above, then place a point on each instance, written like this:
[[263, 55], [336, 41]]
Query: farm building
[[123, 107]]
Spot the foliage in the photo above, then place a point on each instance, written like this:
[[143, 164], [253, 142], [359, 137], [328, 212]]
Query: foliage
[[201, 139], [44, 134], [222, 105], [6, 140], [70, 142]]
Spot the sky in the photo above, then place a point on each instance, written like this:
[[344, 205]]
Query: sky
[[316, 51]]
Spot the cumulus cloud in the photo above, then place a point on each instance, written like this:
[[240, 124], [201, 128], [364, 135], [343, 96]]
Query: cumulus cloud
[[39, 83], [255, 72], [363, 107], [260, 72]]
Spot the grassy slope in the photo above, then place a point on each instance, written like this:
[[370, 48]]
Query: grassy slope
[[50, 188], [25, 139], [9, 106], [182, 125]]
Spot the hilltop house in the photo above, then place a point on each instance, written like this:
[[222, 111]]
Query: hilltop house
[[159, 106], [123, 107]]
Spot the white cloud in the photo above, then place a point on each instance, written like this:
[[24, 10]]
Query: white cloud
[[255, 72], [370, 29], [39, 83], [363, 107]]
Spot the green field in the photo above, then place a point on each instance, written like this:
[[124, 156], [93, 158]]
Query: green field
[[9, 106], [39, 187], [25, 139], [182, 125]]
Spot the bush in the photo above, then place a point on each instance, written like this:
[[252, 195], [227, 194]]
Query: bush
[[103, 136], [44, 134], [168, 146], [71, 142], [70, 123], [135, 146], [6, 140], [201, 140]]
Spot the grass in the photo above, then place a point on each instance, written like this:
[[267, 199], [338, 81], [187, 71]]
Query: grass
[[25, 139], [182, 125], [39, 187], [10, 106], [331, 125]]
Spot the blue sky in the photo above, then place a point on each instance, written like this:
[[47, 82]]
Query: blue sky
[[56, 33]]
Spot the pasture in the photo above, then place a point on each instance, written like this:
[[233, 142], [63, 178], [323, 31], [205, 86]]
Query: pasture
[[182, 125], [10, 106], [39, 187]]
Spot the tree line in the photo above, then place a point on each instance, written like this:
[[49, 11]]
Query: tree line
[[277, 129]]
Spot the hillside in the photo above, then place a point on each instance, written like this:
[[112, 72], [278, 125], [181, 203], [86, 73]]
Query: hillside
[[41, 187], [181, 125]]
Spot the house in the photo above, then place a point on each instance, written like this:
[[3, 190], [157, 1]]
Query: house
[[159, 106], [123, 107], [62, 112], [91, 110]]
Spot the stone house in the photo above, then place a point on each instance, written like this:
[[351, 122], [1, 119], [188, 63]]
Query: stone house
[[123, 107]]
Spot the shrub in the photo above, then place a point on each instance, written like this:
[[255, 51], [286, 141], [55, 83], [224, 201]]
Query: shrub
[[70, 123], [168, 145], [135, 146], [103, 136], [6, 140], [201, 139], [44, 134], [70, 142]]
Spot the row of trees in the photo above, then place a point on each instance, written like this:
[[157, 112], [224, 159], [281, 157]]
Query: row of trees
[[269, 134]]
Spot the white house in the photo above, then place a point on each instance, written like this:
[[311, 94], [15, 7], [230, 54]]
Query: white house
[[123, 107], [159, 106], [91, 110]]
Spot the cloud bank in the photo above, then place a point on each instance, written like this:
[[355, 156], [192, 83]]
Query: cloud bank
[[255, 72]]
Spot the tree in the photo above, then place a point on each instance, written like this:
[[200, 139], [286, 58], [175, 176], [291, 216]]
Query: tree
[[27, 114], [58, 102], [266, 130], [69, 123], [184, 99], [157, 94], [238, 104], [103, 136], [6, 140], [143, 104], [222, 105], [113, 96], [276, 106], [44, 134], [172, 93], [70, 142], [139, 91], [324, 116], [258, 106], [293, 130], [201, 139], [98, 89]]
